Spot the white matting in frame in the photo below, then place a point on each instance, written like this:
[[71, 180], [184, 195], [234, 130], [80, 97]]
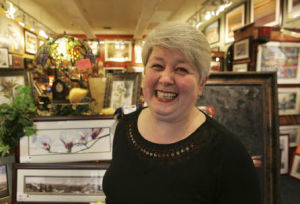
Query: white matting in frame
[[68, 141], [283, 57], [294, 133], [289, 101], [89, 181]]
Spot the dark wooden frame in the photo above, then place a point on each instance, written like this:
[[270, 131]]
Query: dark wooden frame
[[255, 121], [247, 50], [49, 167]]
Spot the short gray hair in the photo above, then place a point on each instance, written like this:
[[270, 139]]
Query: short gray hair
[[185, 38]]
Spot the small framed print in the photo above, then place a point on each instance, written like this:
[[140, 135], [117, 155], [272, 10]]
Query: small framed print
[[295, 169], [234, 19], [31, 42], [212, 32], [59, 183], [17, 61], [118, 51], [294, 133], [240, 67], [241, 49], [284, 153], [289, 101], [4, 60]]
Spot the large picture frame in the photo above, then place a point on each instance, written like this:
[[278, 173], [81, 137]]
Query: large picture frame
[[234, 19], [31, 42], [10, 79], [294, 133], [283, 57], [68, 140], [62, 183], [118, 51], [241, 49], [211, 32], [231, 99], [122, 89], [265, 12], [289, 100], [4, 60]]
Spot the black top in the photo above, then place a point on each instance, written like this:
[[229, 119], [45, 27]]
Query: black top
[[209, 167]]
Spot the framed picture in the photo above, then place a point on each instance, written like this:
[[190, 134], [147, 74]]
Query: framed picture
[[31, 43], [6, 175], [17, 61], [230, 98], [95, 46], [122, 89], [284, 153], [212, 32], [113, 70], [294, 133], [295, 169], [68, 141], [241, 49], [118, 51], [4, 60], [240, 67], [283, 57], [215, 66], [15, 37], [265, 12], [10, 79], [4, 189], [59, 183], [234, 20], [289, 101], [293, 9]]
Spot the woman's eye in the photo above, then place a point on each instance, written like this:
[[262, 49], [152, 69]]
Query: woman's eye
[[181, 70], [157, 67]]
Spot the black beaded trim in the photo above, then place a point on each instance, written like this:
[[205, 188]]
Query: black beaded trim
[[159, 154]]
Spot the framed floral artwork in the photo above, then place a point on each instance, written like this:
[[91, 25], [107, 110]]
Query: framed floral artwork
[[31, 42], [118, 51], [68, 140], [234, 19]]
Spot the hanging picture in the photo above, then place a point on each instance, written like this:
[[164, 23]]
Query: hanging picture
[[284, 153], [30, 42], [4, 60], [289, 101], [234, 20], [293, 9], [15, 38], [212, 32], [294, 133], [295, 169], [118, 51], [241, 49], [283, 57], [95, 46], [243, 67], [17, 61], [4, 190], [4, 32], [265, 12]]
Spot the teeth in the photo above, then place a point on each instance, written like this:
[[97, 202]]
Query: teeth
[[165, 95]]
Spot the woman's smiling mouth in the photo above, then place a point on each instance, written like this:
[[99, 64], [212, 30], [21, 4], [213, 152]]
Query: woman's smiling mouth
[[165, 96]]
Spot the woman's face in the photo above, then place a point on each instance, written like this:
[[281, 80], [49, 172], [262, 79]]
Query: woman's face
[[171, 84]]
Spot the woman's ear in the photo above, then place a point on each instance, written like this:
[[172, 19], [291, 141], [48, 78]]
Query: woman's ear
[[201, 86]]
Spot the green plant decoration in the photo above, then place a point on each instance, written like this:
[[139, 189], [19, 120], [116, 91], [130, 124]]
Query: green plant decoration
[[16, 119]]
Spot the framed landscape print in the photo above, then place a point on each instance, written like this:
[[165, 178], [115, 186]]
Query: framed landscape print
[[234, 19], [231, 99], [122, 89], [59, 183], [265, 12], [10, 79], [212, 32], [294, 133], [284, 153], [4, 60], [31, 42], [282, 57], [68, 141], [118, 51], [241, 49], [289, 101], [295, 169]]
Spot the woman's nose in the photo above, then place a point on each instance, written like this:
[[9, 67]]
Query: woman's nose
[[167, 76]]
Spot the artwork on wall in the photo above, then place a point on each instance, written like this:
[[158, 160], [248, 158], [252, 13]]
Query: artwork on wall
[[6, 178], [284, 153], [230, 98], [118, 51], [212, 32], [15, 38], [265, 12], [17, 61], [62, 183], [4, 189], [4, 60], [293, 9], [10, 79], [295, 169], [294, 133], [234, 19], [68, 141], [122, 89], [243, 67], [95, 46], [289, 101], [283, 57], [241, 49], [31, 43]]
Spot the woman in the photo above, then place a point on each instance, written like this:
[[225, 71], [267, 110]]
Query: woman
[[170, 152]]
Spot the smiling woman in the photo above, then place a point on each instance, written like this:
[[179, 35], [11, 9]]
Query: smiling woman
[[171, 152]]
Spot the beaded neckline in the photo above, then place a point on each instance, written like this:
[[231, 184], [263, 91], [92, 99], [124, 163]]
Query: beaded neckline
[[173, 152]]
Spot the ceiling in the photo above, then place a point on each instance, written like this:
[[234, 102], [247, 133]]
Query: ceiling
[[91, 17]]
